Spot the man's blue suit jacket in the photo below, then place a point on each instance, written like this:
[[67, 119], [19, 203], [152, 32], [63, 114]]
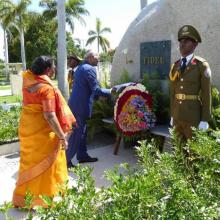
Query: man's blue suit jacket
[[85, 89]]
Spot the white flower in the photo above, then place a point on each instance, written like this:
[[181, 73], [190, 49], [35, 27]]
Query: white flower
[[57, 199]]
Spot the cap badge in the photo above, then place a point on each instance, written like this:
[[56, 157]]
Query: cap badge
[[185, 28]]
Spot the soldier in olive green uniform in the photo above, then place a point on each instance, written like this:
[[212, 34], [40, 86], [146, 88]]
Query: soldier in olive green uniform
[[73, 62], [190, 86]]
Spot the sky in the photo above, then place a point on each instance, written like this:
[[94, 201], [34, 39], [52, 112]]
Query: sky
[[115, 14]]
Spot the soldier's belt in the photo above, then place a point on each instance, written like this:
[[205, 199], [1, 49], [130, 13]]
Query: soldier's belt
[[186, 97]]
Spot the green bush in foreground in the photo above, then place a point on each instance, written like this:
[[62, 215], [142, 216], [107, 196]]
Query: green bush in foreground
[[162, 186], [9, 124]]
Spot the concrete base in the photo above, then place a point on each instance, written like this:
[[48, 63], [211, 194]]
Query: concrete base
[[16, 84], [9, 148], [161, 130]]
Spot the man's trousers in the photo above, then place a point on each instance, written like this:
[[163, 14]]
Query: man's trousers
[[77, 141]]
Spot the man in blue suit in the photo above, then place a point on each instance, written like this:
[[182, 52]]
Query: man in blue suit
[[85, 90]]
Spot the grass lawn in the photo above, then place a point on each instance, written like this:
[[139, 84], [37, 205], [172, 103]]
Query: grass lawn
[[10, 99], [7, 87], [14, 98]]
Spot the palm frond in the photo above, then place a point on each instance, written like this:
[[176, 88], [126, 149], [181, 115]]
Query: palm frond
[[105, 30], [91, 32], [90, 40], [48, 4], [104, 43], [50, 14], [74, 10], [70, 22], [22, 6]]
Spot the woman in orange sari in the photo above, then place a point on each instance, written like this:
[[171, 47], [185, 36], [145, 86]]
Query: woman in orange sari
[[44, 125]]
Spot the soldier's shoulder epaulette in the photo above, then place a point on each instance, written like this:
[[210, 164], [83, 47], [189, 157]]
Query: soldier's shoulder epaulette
[[202, 60], [203, 66]]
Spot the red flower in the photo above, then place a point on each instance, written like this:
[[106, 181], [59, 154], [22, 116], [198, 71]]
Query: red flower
[[140, 114]]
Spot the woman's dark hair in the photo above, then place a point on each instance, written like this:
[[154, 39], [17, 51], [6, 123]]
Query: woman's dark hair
[[40, 64]]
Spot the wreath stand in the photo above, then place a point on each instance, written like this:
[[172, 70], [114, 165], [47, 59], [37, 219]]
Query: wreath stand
[[159, 130]]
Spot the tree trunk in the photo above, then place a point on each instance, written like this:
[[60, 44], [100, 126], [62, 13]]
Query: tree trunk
[[98, 44], [61, 50], [6, 55], [6, 47], [23, 57]]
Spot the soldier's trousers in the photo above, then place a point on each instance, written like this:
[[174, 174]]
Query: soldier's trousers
[[183, 129]]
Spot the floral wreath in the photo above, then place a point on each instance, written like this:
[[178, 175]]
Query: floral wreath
[[133, 110]]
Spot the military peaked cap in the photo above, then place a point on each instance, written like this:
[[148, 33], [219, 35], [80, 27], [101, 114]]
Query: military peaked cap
[[188, 31], [75, 57]]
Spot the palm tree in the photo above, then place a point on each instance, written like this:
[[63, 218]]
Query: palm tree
[[98, 35], [12, 14], [68, 11], [6, 32], [74, 10], [61, 49]]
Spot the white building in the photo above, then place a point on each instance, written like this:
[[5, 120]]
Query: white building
[[160, 21]]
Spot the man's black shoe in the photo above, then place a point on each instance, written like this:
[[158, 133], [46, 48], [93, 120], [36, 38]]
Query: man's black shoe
[[70, 165], [88, 160]]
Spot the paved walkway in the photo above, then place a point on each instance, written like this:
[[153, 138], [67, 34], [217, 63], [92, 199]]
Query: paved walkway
[[5, 92], [9, 167]]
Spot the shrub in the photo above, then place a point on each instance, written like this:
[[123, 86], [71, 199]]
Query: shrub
[[162, 186], [104, 69], [124, 77], [161, 100], [101, 109], [168, 186], [215, 122], [9, 124]]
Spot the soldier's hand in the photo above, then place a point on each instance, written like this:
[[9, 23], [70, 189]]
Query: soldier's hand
[[203, 125], [171, 121]]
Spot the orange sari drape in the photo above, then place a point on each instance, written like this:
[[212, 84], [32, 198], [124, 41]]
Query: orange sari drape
[[42, 161]]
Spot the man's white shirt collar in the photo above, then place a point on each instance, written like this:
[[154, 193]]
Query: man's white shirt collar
[[188, 58]]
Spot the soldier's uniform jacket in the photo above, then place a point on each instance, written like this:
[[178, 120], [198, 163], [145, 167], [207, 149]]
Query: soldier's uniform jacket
[[194, 81]]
